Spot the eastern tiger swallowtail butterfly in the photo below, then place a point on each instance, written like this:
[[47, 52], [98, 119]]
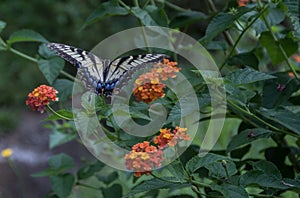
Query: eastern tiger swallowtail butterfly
[[101, 75]]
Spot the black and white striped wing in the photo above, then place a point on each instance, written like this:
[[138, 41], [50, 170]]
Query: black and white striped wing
[[118, 67], [90, 67]]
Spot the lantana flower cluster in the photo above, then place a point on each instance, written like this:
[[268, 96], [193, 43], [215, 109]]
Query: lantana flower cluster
[[242, 3], [40, 97], [168, 137], [144, 157], [148, 87]]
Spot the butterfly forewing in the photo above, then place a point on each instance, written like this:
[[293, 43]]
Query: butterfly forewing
[[89, 64]]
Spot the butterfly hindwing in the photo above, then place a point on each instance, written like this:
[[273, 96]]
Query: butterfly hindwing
[[119, 66]]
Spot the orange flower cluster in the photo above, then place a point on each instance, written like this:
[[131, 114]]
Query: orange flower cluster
[[168, 137], [40, 97], [296, 58], [148, 87], [242, 2], [142, 158]]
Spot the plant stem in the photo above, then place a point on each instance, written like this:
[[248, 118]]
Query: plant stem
[[124, 5], [242, 34], [200, 184], [153, 2], [2, 42], [224, 164], [226, 34], [67, 75], [252, 115], [87, 186], [283, 52], [25, 56], [260, 195], [136, 3], [59, 115], [22, 55], [18, 175], [171, 5], [175, 182]]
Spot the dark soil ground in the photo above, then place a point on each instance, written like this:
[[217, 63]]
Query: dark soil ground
[[30, 154]]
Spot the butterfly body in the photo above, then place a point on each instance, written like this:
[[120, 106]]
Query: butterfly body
[[101, 75]]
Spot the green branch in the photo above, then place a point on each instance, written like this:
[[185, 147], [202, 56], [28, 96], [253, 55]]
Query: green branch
[[242, 34], [171, 5], [59, 115], [282, 51], [22, 55], [25, 56], [226, 34], [253, 116]]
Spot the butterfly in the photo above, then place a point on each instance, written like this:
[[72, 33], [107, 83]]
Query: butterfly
[[102, 75]]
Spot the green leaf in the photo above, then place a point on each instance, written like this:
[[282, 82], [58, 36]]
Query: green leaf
[[87, 124], [213, 163], [107, 9], [268, 168], [273, 49], [107, 178], [284, 117], [221, 22], [155, 184], [63, 112], [113, 191], [2, 25], [242, 59], [293, 13], [88, 101], [89, 170], [273, 97], [64, 88], [182, 19], [177, 170], [274, 17], [294, 184], [45, 51], [177, 112], [247, 75], [229, 191], [247, 136], [57, 138], [139, 110], [2, 47], [51, 68], [258, 177], [216, 45], [158, 15], [62, 185], [143, 16], [61, 162], [240, 95], [26, 36]]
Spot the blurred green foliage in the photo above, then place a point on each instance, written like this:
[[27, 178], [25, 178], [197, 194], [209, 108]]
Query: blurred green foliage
[[57, 21]]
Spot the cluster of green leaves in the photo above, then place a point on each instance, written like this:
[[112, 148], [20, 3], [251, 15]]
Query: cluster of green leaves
[[252, 47]]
